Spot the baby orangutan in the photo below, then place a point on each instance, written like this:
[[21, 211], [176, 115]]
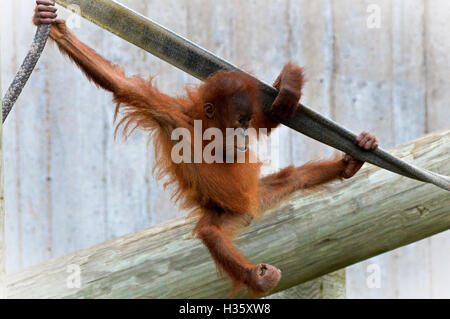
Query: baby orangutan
[[224, 194]]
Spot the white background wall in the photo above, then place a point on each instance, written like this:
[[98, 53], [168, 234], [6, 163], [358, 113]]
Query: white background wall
[[69, 185]]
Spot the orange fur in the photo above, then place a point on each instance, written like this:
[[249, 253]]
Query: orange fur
[[225, 195]]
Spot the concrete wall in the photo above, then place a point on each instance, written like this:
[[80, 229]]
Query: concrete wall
[[69, 185]]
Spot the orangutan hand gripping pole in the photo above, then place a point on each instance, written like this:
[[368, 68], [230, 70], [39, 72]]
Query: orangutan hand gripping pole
[[227, 99]]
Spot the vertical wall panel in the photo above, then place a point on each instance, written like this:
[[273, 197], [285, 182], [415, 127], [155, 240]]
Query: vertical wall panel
[[75, 170], [437, 19], [405, 271], [29, 152], [310, 44], [362, 91], [12, 208], [409, 116], [2, 211]]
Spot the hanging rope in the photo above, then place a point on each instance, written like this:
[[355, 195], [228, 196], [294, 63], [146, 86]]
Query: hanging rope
[[25, 70]]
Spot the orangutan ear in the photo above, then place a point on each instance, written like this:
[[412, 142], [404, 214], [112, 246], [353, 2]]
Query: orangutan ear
[[209, 110]]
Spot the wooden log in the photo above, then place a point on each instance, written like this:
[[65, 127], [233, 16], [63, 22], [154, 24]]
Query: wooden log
[[330, 286], [310, 234]]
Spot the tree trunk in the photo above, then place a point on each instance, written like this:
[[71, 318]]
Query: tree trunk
[[307, 236]]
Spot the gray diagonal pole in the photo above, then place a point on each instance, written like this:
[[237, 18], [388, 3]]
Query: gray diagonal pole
[[201, 63]]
